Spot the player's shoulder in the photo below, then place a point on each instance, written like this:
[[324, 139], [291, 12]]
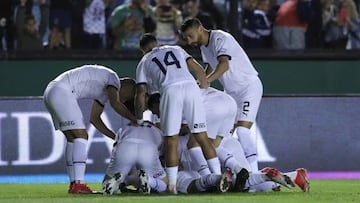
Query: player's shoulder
[[173, 47], [219, 35]]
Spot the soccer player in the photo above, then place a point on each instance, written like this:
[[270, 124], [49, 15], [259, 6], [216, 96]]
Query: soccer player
[[136, 146], [88, 81], [226, 60], [220, 110], [167, 69]]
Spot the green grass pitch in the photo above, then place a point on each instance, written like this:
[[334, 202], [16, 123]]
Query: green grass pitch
[[321, 191]]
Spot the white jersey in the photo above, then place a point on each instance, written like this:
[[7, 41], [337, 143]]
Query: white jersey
[[147, 134], [137, 146], [89, 81], [220, 110], [240, 68], [164, 66]]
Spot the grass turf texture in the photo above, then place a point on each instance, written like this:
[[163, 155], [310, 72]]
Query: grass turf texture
[[320, 191]]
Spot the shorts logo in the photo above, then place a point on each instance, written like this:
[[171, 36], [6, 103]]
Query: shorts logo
[[67, 123], [199, 125]]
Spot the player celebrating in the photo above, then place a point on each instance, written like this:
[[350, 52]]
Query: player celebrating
[[136, 146], [166, 69], [228, 62], [89, 81]]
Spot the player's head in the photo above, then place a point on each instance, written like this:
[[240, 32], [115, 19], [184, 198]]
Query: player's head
[[192, 30], [148, 42], [127, 89], [153, 103]]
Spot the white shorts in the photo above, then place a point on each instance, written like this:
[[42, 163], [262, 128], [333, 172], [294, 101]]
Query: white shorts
[[248, 100], [182, 101], [126, 155], [63, 107], [220, 112], [184, 178]]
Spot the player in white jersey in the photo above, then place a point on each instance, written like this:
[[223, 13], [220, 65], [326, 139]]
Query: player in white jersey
[[89, 81], [220, 111], [136, 147], [167, 69], [228, 62]]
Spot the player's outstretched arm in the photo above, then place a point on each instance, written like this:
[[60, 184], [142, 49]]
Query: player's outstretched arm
[[221, 68], [119, 107], [97, 122], [140, 96], [196, 68]]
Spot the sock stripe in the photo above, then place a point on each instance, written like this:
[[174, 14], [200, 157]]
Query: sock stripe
[[251, 155], [79, 162], [227, 158]]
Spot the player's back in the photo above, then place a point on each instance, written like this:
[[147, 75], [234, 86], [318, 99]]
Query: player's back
[[89, 81], [166, 65], [145, 134]]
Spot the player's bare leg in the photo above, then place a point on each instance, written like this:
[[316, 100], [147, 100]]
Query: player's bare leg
[[171, 161]]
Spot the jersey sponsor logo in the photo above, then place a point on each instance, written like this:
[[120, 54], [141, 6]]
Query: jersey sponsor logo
[[67, 123], [199, 125]]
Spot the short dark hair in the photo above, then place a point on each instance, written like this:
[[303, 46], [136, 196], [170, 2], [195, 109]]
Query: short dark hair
[[146, 39], [190, 23]]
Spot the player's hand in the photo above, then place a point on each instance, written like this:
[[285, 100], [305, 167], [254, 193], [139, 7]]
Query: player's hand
[[204, 85]]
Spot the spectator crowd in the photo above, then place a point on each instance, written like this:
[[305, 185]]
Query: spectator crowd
[[118, 24]]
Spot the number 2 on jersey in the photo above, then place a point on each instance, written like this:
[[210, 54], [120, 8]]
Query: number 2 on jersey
[[169, 59]]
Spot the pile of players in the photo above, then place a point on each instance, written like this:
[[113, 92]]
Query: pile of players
[[203, 134]]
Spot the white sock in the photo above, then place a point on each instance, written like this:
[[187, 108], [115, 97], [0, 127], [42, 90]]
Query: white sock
[[157, 184], [69, 161], [263, 187], [292, 175], [198, 158], [214, 165], [249, 146], [255, 179], [79, 159], [204, 182], [171, 173], [228, 160]]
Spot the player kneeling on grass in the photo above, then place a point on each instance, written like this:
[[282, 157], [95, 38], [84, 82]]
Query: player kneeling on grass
[[136, 146]]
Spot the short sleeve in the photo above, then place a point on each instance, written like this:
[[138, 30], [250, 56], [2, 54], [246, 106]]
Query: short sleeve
[[222, 47], [114, 80], [140, 72], [187, 56]]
